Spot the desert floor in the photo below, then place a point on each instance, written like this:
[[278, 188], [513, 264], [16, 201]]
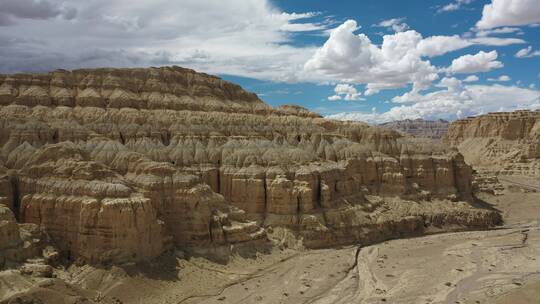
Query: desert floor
[[498, 266]]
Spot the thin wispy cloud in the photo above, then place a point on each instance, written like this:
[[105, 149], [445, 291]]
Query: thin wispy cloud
[[454, 6], [527, 52]]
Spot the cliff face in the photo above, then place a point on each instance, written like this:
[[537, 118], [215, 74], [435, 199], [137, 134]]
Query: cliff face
[[18, 242], [419, 127], [121, 165], [507, 142]]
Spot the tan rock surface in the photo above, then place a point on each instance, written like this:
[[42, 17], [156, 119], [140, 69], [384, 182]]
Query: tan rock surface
[[119, 165], [435, 129], [18, 242], [506, 142], [493, 266]]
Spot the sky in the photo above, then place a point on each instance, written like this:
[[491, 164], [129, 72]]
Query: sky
[[374, 61]]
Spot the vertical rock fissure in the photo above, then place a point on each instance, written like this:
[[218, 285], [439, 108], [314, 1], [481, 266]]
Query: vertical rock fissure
[[265, 197], [318, 191], [298, 211], [55, 136], [218, 181], [122, 139], [210, 232], [166, 138], [16, 197]]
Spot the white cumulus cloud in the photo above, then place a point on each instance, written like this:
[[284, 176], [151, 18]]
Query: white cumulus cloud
[[509, 13], [354, 58], [439, 45], [451, 104], [399, 61], [346, 92], [451, 83], [481, 62]]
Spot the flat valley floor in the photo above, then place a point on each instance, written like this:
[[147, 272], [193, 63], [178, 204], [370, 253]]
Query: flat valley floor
[[499, 266]]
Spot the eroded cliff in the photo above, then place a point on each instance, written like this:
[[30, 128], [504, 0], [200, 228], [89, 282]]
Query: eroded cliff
[[118, 165], [435, 129], [505, 142]]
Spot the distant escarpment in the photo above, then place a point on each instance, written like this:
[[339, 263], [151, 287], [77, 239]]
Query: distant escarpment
[[420, 128], [505, 142], [121, 165]]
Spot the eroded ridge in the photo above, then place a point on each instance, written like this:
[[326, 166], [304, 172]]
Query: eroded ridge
[[120, 165], [507, 143]]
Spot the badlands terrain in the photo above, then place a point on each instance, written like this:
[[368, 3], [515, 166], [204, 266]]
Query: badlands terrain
[[164, 185], [435, 129]]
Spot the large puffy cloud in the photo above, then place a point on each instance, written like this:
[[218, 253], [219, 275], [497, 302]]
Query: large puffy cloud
[[354, 58], [452, 103], [399, 61], [242, 37], [509, 13], [481, 62]]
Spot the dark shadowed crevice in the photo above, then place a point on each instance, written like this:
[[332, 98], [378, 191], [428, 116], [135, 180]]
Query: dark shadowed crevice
[[265, 196], [166, 138], [218, 182], [122, 139], [16, 197], [318, 191], [55, 136]]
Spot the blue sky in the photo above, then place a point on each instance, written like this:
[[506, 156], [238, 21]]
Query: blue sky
[[422, 16], [362, 60]]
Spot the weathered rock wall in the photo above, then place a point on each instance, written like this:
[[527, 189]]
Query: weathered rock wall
[[507, 142], [435, 129], [120, 165], [18, 242]]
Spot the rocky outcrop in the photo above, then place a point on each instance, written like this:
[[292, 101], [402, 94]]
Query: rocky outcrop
[[87, 209], [420, 128], [18, 242], [505, 142], [166, 88], [119, 165]]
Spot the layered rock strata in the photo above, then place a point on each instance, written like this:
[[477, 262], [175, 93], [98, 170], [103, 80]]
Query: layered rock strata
[[505, 142], [18, 242], [118, 165], [435, 129]]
